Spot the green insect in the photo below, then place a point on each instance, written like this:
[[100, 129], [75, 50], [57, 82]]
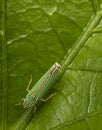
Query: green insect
[[41, 87]]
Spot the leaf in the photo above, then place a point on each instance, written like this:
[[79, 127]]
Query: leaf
[[33, 36]]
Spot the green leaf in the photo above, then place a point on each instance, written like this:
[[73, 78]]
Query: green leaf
[[33, 36]]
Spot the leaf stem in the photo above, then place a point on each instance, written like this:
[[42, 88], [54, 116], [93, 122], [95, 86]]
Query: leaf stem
[[23, 120], [79, 44]]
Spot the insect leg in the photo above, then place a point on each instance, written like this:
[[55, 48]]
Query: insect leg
[[20, 102], [44, 100], [29, 84]]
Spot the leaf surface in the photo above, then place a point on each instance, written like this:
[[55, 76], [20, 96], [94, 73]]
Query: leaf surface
[[33, 36]]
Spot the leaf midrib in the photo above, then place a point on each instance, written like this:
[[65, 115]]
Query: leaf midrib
[[4, 65], [82, 40]]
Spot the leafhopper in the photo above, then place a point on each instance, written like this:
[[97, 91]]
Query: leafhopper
[[40, 89]]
